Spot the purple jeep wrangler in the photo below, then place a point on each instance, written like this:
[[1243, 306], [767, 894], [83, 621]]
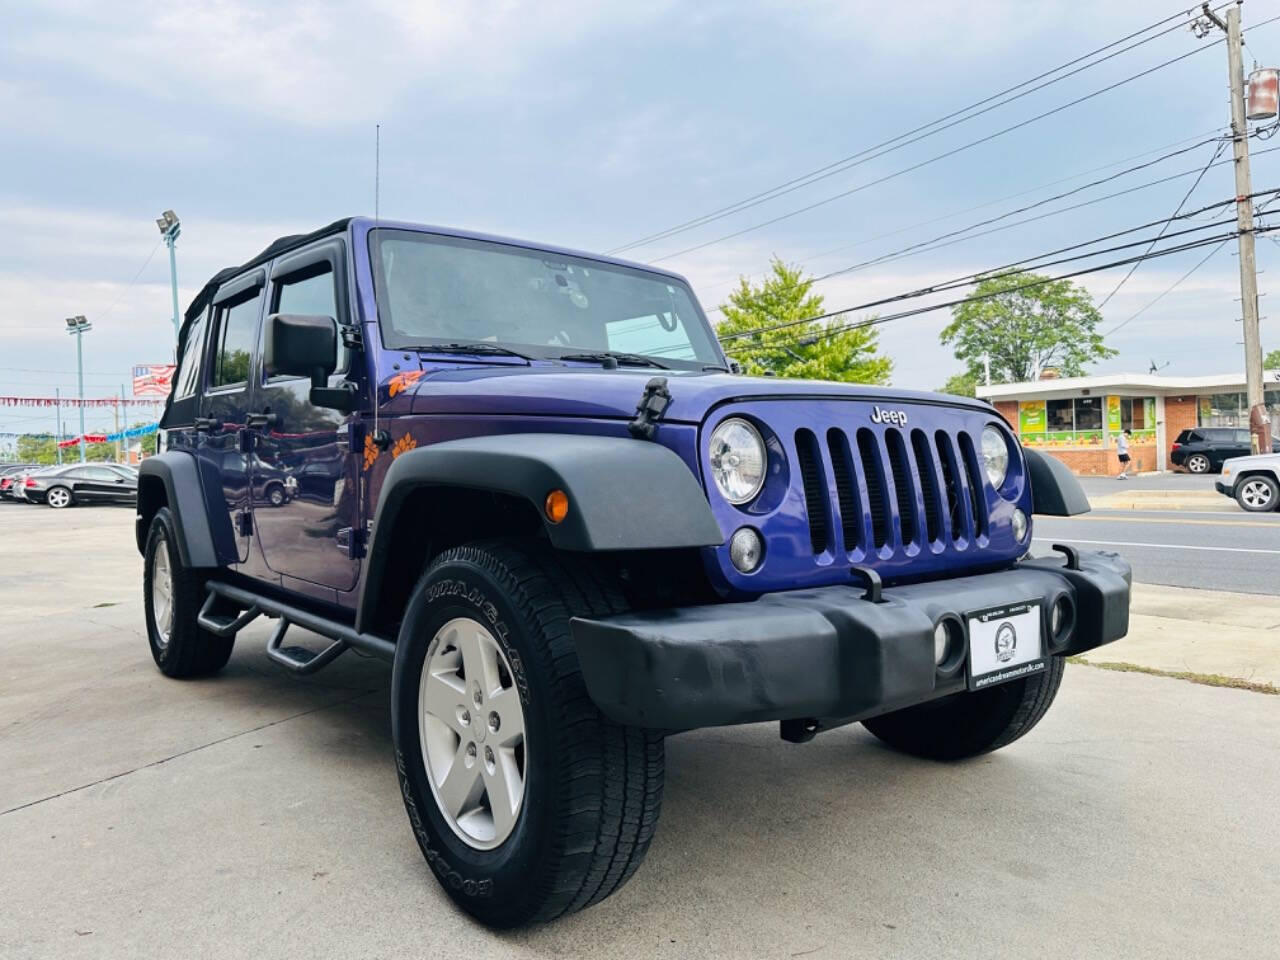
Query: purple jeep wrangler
[[531, 480]]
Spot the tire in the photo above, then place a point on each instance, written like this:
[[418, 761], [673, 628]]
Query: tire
[[275, 495], [590, 790], [185, 649], [1198, 463], [971, 723], [59, 497], [1257, 493]]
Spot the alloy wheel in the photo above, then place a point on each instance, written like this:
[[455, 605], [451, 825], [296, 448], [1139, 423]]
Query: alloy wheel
[[1256, 494], [1198, 463], [472, 729], [162, 592], [59, 497]]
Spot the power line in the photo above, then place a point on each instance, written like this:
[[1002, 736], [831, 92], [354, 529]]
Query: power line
[[836, 330], [941, 156], [1199, 140], [949, 153], [1185, 197], [1023, 265], [936, 243], [860, 157]]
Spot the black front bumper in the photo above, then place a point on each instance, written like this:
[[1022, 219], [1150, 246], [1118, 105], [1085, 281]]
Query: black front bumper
[[1226, 489], [826, 653]]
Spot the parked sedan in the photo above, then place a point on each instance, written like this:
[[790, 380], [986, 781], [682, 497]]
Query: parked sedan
[[9, 474], [61, 487], [1203, 449]]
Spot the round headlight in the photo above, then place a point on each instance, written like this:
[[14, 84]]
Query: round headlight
[[737, 459], [995, 455]]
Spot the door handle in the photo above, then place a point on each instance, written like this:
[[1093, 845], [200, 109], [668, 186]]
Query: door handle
[[260, 420]]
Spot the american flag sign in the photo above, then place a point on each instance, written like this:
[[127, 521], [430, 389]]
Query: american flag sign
[[153, 379]]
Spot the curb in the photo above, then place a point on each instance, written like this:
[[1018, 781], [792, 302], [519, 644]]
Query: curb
[[1165, 500]]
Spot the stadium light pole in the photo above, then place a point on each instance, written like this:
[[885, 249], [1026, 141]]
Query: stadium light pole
[[171, 229], [78, 327]]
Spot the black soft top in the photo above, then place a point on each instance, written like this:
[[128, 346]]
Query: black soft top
[[274, 249], [207, 292]]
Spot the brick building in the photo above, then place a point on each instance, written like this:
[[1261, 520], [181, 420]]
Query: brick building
[[1077, 418]]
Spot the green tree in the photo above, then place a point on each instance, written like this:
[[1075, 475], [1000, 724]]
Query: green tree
[[961, 385], [1271, 361], [43, 450], [1025, 331], [804, 349]]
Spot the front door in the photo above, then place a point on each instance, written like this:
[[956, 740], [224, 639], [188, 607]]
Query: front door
[[305, 478], [221, 426]]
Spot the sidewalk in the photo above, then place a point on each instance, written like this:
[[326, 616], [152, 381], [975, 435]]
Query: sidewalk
[[1175, 630], [1139, 499]]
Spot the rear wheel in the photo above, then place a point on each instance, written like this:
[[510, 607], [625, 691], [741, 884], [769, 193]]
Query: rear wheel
[[59, 497], [1258, 494], [172, 596], [527, 803], [1198, 463], [971, 723]]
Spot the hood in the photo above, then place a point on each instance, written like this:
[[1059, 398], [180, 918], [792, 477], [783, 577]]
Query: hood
[[556, 391], [1269, 461]]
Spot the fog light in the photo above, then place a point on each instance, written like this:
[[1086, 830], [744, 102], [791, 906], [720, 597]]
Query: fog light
[[746, 549], [941, 643], [1059, 617], [1019, 525]]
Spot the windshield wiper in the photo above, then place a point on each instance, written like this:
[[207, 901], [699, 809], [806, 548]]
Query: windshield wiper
[[488, 349], [630, 359]]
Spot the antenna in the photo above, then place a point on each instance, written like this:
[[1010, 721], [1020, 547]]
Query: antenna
[[1156, 368], [377, 167]]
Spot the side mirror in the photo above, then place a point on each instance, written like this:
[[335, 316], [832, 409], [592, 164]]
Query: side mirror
[[306, 345]]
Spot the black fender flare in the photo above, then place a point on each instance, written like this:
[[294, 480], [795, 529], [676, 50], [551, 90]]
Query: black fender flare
[[179, 475], [1055, 491], [624, 494]]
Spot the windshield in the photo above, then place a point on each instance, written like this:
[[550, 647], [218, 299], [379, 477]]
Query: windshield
[[435, 289]]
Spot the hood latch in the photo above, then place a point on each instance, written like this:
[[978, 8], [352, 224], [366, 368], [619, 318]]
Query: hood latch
[[650, 409]]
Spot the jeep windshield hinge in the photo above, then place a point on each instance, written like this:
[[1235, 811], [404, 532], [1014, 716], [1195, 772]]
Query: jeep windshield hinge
[[649, 411], [352, 338]]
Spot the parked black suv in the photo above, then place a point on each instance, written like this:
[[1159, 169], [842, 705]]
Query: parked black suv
[[1203, 449]]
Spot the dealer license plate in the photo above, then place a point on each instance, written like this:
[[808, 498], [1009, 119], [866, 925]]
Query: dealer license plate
[[1005, 644]]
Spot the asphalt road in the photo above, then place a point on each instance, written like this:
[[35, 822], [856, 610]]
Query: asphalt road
[[1235, 551], [257, 815]]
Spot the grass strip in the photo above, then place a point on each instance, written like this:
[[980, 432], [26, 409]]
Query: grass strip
[[1208, 679]]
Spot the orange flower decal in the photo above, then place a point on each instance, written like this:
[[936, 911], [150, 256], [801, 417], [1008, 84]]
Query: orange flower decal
[[401, 382], [403, 445], [370, 451]]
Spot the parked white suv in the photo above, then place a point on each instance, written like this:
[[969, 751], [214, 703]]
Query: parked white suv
[[1253, 481]]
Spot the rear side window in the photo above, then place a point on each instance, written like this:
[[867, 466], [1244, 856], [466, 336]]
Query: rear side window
[[235, 326], [1241, 436], [189, 368]]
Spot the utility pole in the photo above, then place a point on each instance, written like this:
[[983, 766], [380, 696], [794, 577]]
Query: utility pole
[[1259, 420], [57, 437]]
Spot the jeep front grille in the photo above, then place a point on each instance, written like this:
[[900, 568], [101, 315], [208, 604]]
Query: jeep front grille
[[902, 490]]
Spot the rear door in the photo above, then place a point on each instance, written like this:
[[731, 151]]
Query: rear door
[[310, 533], [224, 406]]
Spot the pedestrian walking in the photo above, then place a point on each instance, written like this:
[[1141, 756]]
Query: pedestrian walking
[[1122, 449]]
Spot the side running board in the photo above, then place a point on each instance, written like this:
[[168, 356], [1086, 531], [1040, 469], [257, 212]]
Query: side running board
[[300, 660]]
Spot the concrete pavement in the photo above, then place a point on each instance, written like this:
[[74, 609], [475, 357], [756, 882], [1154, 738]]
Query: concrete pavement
[[256, 814]]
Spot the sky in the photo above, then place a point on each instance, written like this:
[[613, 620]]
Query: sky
[[590, 125]]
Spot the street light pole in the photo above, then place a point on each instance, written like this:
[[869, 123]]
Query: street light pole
[[78, 327], [171, 229]]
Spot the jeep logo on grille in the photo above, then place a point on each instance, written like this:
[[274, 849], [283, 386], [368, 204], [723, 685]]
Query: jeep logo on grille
[[897, 417]]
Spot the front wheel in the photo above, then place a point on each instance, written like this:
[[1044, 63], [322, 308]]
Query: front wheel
[[527, 803], [59, 498], [971, 723], [1198, 463], [1258, 494]]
